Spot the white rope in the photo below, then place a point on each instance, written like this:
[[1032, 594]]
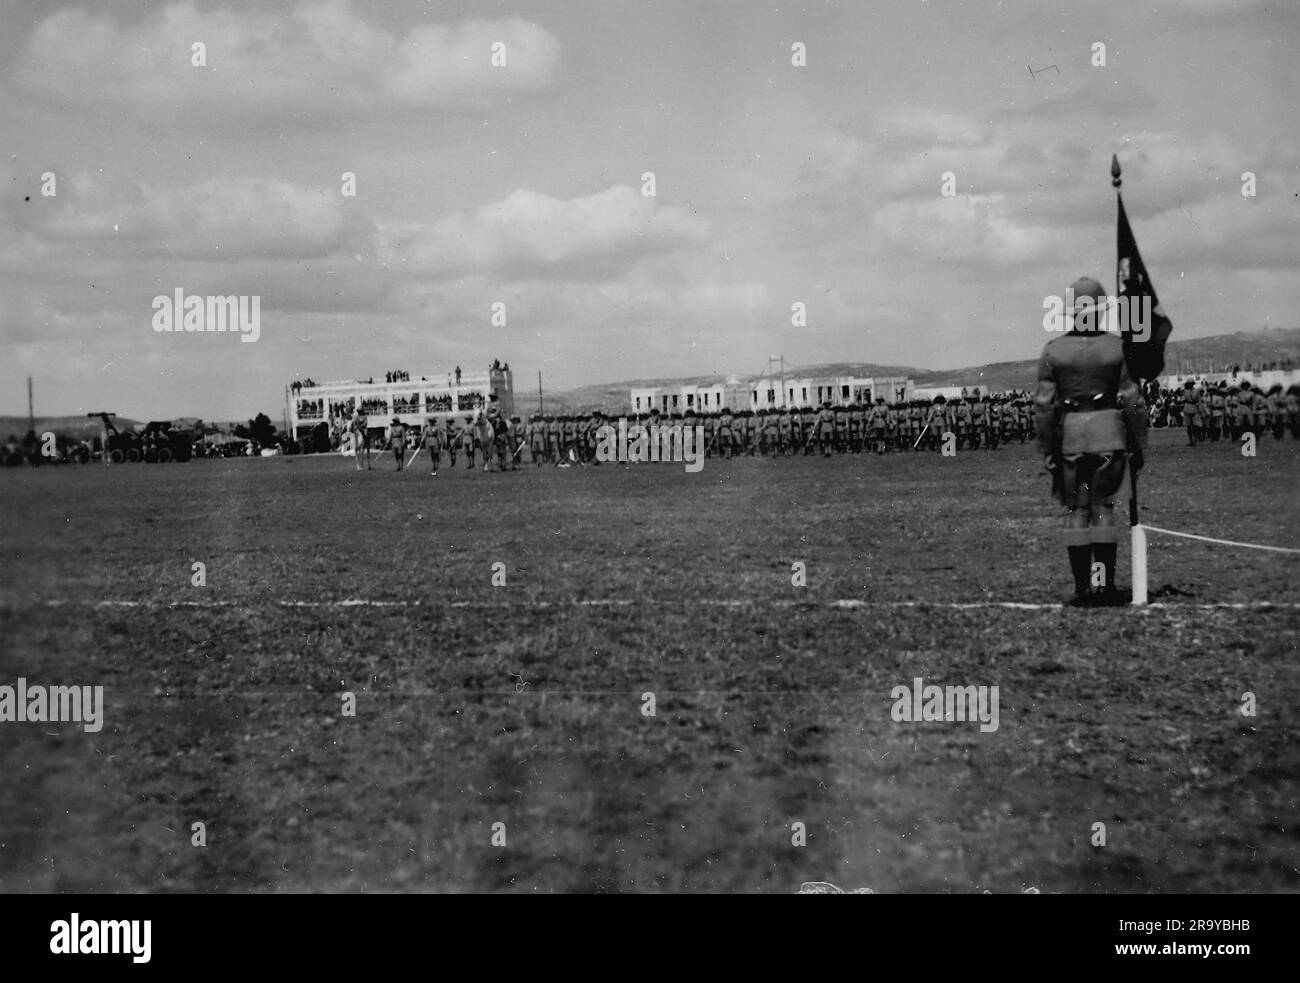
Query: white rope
[[1221, 542]]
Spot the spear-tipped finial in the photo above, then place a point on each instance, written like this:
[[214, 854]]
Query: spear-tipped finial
[[1114, 170]]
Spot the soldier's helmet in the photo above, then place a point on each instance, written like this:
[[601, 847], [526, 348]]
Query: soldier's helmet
[[1091, 288], [1245, 384], [1087, 286], [1188, 384]]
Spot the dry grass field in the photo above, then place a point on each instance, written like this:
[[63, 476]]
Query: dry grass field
[[524, 704]]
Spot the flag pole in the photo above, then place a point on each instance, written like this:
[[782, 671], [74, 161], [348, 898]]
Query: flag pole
[[1138, 545]]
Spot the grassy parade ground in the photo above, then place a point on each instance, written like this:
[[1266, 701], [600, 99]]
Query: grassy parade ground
[[641, 679]]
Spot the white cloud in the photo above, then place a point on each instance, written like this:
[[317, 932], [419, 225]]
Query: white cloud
[[219, 220], [322, 60], [527, 233]]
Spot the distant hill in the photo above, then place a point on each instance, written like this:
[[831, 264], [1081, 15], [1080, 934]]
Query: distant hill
[[1197, 354]]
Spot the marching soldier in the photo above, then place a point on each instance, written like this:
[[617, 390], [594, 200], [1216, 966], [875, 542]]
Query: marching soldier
[[1090, 421], [915, 423], [1218, 407], [1261, 412], [553, 440], [807, 422], [1026, 420], [571, 438], [771, 434], [536, 439], [936, 422], [451, 441], [841, 429], [784, 432], [1244, 413], [1191, 400], [857, 426], [397, 442], [979, 417], [468, 443], [878, 421], [710, 433], [1276, 414], [518, 437], [826, 429], [724, 433], [431, 441]]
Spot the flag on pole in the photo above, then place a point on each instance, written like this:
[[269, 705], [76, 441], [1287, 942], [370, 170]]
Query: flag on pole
[[1144, 341]]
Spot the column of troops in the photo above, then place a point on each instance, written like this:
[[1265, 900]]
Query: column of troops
[[975, 422], [1225, 411], [879, 428]]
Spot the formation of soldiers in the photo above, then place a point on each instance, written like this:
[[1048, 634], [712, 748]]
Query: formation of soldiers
[[1226, 411], [918, 425], [880, 428]]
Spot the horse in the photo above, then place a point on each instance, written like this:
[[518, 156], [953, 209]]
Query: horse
[[360, 439], [494, 439]]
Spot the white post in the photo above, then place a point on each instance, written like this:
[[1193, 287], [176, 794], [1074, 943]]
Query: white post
[[1139, 563]]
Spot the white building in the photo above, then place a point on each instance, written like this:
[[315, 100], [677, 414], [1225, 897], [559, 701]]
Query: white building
[[412, 399], [1265, 379], [769, 392]]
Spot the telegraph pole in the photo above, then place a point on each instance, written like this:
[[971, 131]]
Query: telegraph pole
[[540, 404], [31, 417]]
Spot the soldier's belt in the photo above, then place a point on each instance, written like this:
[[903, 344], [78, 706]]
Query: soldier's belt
[[1099, 402]]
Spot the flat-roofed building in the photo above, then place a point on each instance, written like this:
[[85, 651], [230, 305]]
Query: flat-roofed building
[[409, 398], [769, 392]]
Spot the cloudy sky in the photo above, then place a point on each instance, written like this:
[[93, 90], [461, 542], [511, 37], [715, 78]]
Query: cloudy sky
[[522, 184]]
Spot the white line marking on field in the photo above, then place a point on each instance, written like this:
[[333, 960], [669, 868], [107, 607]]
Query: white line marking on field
[[849, 604]]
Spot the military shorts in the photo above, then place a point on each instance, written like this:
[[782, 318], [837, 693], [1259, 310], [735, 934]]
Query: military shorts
[[1092, 432], [1091, 477]]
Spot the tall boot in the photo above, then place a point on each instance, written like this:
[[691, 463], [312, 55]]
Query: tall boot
[[1104, 553], [1081, 567]]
